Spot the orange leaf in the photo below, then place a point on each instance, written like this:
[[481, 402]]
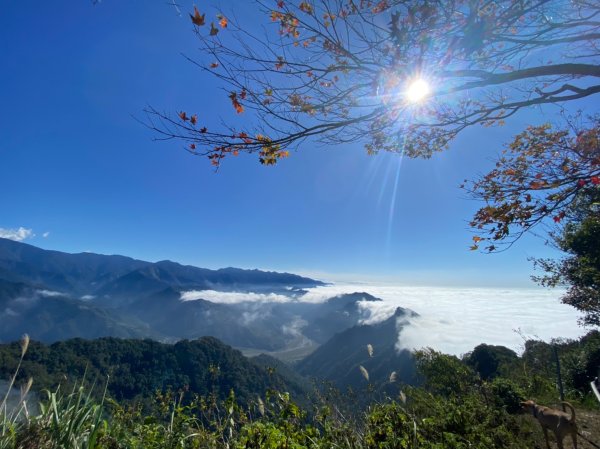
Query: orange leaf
[[197, 18], [236, 104], [194, 119], [192, 146], [183, 116], [223, 22], [214, 65], [305, 7]]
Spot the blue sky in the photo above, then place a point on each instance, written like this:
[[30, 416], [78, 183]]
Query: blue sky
[[75, 163]]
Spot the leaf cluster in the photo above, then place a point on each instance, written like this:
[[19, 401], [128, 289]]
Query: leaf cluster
[[538, 178]]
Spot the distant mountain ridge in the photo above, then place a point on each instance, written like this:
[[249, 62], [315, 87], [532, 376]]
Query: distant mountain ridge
[[55, 296], [121, 277]]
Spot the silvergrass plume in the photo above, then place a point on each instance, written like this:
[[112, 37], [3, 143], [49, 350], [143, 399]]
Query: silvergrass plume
[[261, 407], [402, 397], [370, 350], [24, 344], [364, 372], [25, 388]]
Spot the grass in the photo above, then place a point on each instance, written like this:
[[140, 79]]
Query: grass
[[453, 412]]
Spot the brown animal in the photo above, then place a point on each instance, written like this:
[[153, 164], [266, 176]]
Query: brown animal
[[557, 421]]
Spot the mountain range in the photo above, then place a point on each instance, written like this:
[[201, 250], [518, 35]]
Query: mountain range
[[55, 296]]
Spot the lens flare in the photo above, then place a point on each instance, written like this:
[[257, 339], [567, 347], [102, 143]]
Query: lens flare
[[417, 90]]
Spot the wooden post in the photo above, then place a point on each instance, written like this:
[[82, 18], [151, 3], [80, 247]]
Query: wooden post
[[558, 377]]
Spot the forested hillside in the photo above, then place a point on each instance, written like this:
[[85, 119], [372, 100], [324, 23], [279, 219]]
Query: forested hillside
[[225, 401], [137, 369]]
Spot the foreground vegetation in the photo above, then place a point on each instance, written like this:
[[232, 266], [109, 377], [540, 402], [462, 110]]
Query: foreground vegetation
[[473, 402]]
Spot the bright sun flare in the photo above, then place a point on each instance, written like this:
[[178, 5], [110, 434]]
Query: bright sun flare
[[417, 90]]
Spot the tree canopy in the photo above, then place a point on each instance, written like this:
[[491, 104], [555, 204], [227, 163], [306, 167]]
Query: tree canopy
[[539, 176], [400, 76], [548, 177], [579, 269]]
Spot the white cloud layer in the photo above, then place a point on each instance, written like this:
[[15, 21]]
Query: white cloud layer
[[18, 235], [455, 320], [50, 293], [451, 320], [232, 297]]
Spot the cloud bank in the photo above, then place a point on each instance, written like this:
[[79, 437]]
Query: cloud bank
[[232, 297], [455, 320], [18, 235]]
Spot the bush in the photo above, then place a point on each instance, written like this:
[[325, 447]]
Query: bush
[[507, 395], [444, 374]]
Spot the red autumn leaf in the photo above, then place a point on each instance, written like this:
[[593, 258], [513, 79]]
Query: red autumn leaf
[[197, 18], [243, 94], [244, 137], [183, 116], [192, 146], [595, 180], [214, 65], [203, 130], [213, 29], [559, 217], [281, 62], [194, 119], [280, 4], [536, 185], [581, 183]]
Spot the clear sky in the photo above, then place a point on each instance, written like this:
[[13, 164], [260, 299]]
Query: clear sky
[[84, 175]]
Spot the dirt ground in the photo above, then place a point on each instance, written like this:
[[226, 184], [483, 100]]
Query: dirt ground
[[588, 423]]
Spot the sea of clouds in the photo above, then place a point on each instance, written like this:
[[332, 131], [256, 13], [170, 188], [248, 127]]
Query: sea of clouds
[[455, 320], [451, 320]]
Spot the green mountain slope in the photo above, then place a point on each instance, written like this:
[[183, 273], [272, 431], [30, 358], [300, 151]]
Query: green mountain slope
[[339, 359], [138, 368]]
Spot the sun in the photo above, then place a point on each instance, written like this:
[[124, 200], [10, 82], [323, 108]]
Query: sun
[[417, 90]]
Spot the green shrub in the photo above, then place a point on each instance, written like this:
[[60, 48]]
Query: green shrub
[[507, 395]]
